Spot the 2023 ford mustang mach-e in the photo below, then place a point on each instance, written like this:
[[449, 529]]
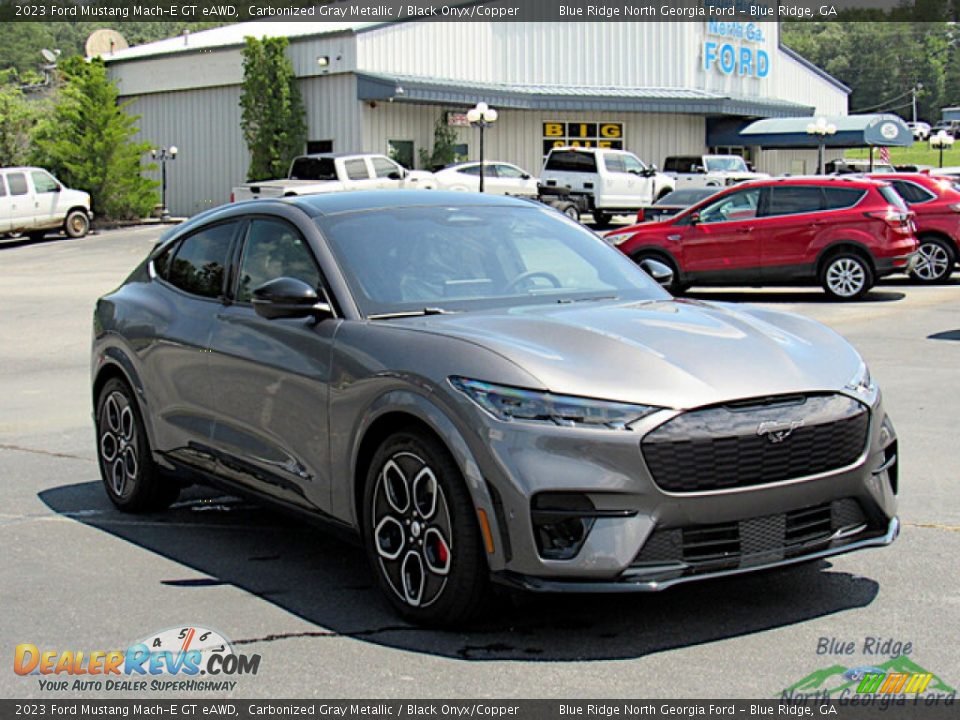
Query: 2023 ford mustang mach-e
[[484, 391]]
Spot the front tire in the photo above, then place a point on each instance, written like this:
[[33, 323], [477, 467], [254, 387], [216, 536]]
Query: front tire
[[132, 480], [935, 262], [77, 224], [421, 533], [846, 276], [569, 209]]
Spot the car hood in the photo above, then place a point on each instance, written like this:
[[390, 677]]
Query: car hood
[[670, 353]]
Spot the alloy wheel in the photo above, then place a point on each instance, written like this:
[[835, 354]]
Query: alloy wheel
[[933, 262], [119, 444], [413, 532], [846, 277]]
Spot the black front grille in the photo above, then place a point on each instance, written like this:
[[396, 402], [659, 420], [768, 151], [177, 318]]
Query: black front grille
[[738, 446], [752, 541]]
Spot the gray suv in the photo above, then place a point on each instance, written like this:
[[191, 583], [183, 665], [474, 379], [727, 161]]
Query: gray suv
[[485, 392]]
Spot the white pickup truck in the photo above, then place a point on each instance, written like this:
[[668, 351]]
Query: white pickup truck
[[329, 172], [602, 181], [34, 202], [702, 171]]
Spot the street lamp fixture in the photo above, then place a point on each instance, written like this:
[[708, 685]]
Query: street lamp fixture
[[482, 116], [164, 154], [942, 141], [821, 128]]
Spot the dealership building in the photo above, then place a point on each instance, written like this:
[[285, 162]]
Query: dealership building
[[654, 88]]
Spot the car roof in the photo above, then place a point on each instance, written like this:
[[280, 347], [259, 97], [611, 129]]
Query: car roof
[[854, 180], [359, 200]]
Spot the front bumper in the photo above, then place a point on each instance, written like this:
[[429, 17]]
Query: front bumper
[[637, 582], [520, 462]]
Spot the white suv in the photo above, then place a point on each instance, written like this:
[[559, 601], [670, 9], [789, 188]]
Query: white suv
[[32, 201], [606, 182]]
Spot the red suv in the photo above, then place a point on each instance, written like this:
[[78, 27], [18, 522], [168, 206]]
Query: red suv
[[843, 232], [935, 201]]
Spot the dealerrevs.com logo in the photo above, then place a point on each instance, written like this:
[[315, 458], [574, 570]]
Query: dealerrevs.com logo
[[184, 659]]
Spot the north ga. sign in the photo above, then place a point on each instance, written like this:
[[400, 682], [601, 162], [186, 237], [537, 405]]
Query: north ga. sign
[[734, 48]]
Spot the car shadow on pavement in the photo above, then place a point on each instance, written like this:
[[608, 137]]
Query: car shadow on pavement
[[324, 580], [26, 240]]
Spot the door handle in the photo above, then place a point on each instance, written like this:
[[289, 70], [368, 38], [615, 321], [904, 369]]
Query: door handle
[[745, 230]]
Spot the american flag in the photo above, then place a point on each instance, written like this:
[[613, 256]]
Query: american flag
[[885, 155]]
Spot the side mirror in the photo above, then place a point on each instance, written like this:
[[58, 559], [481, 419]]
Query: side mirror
[[650, 171], [57, 188], [287, 297], [525, 176], [693, 218], [659, 271]]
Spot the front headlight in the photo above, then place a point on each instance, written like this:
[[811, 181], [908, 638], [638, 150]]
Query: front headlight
[[618, 238], [861, 383], [510, 403]]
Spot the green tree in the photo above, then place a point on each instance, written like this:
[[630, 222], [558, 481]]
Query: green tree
[[18, 119], [88, 142], [444, 149], [272, 115]]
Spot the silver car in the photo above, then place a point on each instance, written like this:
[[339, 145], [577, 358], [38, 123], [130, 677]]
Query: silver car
[[486, 393]]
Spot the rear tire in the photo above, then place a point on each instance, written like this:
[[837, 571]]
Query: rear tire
[[569, 209], [601, 218], [846, 276], [77, 224], [936, 260], [421, 534], [132, 480]]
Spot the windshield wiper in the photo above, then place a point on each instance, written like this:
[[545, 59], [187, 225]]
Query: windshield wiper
[[412, 313], [566, 301]]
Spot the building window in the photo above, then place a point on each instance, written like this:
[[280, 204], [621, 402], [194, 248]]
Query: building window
[[461, 151], [319, 146], [401, 151]]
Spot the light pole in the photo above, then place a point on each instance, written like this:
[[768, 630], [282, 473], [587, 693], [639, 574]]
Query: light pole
[[942, 141], [913, 97], [164, 154], [821, 128], [481, 116]]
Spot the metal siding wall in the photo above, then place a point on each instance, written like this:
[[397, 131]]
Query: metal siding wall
[[333, 111], [205, 127], [518, 135]]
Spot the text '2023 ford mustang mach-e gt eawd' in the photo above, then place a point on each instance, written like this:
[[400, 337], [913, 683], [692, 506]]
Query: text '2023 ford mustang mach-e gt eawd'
[[485, 392]]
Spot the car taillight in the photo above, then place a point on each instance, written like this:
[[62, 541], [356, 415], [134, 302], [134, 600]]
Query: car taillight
[[641, 217], [901, 222]]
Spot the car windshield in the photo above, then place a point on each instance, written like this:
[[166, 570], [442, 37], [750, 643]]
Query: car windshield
[[456, 259], [726, 164]]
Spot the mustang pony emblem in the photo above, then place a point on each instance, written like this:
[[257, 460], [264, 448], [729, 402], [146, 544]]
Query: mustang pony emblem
[[777, 432]]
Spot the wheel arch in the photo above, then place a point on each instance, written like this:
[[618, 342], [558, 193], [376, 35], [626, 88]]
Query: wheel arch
[[940, 235], [398, 411], [114, 363], [839, 246]]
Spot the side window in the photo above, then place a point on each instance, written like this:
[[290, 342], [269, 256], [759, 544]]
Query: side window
[[18, 183], [614, 163], [911, 192], [3, 186], [199, 263], [509, 171], [632, 164], [383, 167], [787, 200], [43, 182], [470, 170], [356, 169], [840, 198], [730, 208], [274, 249]]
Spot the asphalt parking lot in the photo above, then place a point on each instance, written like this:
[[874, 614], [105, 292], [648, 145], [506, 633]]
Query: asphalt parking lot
[[75, 574]]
